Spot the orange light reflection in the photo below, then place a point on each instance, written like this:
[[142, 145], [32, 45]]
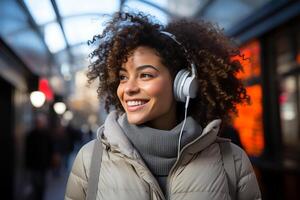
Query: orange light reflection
[[249, 121]]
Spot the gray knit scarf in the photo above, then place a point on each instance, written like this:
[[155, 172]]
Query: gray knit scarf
[[158, 148]]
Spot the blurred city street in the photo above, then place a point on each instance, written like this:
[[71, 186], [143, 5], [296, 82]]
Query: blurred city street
[[56, 184], [48, 110]]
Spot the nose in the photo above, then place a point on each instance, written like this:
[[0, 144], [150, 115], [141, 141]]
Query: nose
[[131, 87]]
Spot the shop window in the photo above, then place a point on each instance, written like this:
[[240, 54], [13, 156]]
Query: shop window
[[288, 73], [287, 49], [249, 121], [298, 46], [289, 110], [250, 61]]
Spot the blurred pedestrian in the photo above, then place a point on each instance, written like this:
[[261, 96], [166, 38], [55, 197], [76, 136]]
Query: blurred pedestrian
[[62, 146], [75, 135], [38, 155]]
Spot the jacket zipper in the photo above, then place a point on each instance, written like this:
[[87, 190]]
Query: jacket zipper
[[170, 173], [175, 165], [177, 161]]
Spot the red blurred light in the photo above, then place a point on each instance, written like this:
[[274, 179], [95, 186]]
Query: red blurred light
[[46, 89]]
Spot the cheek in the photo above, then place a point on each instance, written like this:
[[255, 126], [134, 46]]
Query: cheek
[[162, 90]]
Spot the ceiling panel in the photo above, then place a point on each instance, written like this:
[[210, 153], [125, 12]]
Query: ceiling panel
[[17, 33], [29, 48], [54, 37], [78, 7], [82, 51], [135, 6], [187, 8], [227, 13], [161, 3], [12, 18], [81, 29], [41, 11]]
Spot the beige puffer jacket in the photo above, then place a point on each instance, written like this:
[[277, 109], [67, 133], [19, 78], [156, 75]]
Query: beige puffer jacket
[[198, 174]]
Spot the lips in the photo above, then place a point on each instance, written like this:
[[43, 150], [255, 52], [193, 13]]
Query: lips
[[134, 105]]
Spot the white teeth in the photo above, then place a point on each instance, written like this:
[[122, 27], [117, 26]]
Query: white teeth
[[135, 103]]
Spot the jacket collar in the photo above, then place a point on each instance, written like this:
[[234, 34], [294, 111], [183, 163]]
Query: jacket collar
[[208, 136], [114, 136]]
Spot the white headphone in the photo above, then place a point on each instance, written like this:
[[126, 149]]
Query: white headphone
[[185, 84]]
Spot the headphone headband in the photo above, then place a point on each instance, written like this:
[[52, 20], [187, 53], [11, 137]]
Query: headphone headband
[[192, 64]]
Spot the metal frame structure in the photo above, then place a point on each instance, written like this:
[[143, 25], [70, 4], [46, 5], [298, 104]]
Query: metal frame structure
[[59, 19], [202, 9], [35, 27]]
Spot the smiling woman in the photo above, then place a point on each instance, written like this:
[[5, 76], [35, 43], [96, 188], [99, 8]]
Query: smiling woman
[[145, 90], [153, 146]]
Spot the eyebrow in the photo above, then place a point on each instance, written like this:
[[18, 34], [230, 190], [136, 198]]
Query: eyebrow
[[142, 67]]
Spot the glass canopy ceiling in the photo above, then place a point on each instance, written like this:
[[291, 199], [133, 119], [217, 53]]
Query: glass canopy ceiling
[[81, 19], [53, 34]]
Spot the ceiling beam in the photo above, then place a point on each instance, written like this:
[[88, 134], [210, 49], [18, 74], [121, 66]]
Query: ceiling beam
[[59, 20], [203, 9], [171, 15], [121, 5], [36, 29]]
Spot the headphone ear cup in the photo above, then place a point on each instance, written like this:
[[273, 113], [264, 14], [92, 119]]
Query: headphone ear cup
[[179, 85], [190, 87]]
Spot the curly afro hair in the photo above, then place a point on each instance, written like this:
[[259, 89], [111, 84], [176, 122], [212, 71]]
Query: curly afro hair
[[219, 89]]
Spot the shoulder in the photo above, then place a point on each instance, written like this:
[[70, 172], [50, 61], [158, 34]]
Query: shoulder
[[87, 149], [241, 159], [237, 151], [242, 163], [247, 184], [83, 159]]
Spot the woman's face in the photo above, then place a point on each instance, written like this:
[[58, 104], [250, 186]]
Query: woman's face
[[146, 90]]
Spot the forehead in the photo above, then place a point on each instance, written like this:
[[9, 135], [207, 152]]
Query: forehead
[[143, 55], [144, 50]]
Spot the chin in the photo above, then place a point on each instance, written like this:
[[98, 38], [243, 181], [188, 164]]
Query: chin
[[136, 120]]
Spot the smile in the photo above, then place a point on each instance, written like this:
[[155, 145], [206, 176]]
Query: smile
[[135, 105]]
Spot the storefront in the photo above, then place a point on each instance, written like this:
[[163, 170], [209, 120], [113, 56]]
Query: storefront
[[270, 130]]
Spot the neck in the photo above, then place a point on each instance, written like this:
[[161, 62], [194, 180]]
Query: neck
[[161, 126], [165, 122]]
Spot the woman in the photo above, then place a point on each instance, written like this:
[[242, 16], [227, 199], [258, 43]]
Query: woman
[[151, 150]]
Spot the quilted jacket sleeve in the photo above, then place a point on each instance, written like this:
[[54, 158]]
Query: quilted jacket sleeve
[[78, 178], [247, 185]]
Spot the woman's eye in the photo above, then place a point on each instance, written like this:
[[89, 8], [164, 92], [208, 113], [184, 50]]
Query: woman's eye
[[122, 77], [144, 75]]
